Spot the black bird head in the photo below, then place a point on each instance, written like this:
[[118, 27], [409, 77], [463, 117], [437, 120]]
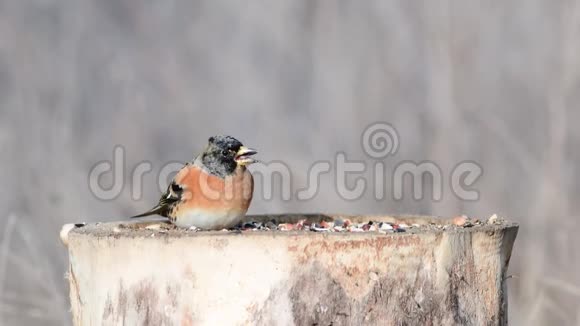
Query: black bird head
[[224, 153]]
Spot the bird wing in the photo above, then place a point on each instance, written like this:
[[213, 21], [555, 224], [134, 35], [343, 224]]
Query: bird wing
[[171, 196]]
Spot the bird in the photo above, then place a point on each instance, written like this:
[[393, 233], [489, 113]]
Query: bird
[[211, 192]]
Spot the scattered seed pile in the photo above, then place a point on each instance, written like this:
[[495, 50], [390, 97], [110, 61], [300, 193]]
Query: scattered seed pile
[[346, 225], [337, 225]]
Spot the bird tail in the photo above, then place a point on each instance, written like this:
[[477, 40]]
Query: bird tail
[[155, 210]]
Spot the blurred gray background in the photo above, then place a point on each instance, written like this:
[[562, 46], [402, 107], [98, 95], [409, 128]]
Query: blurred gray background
[[496, 82]]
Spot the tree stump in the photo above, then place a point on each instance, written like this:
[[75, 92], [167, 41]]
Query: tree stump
[[146, 273]]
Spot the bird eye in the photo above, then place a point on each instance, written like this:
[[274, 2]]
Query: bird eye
[[225, 152], [211, 139]]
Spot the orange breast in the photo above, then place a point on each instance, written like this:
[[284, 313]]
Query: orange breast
[[208, 192]]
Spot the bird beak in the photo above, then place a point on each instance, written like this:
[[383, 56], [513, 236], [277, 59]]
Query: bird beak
[[243, 156]]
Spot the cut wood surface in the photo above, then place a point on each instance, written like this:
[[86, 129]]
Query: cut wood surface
[[434, 273]]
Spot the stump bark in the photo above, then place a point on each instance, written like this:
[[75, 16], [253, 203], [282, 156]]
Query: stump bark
[[140, 274]]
